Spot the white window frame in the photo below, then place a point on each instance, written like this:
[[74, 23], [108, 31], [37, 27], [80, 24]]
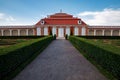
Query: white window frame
[[54, 30], [76, 29], [83, 32], [45, 31], [68, 31], [38, 31]]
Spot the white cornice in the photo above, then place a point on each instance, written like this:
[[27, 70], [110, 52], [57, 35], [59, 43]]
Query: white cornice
[[103, 26], [59, 25], [17, 26]]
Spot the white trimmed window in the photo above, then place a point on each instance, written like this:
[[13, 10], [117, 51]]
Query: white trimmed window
[[79, 22], [38, 31], [42, 22], [68, 31], [83, 31], [45, 30], [75, 30]]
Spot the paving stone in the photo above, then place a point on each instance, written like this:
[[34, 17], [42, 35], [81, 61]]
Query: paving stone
[[60, 61]]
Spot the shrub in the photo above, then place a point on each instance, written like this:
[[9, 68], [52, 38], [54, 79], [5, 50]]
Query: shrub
[[66, 36], [14, 56], [20, 37], [105, 55], [100, 37], [54, 37]]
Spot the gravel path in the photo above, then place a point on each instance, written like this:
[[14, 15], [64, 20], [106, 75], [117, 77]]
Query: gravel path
[[60, 61]]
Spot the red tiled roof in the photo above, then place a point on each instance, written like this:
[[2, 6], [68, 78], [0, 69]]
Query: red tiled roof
[[60, 19]]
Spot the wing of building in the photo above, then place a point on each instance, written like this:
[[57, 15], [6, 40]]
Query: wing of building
[[60, 24]]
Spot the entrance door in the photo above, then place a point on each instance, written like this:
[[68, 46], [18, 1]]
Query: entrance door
[[60, 32]]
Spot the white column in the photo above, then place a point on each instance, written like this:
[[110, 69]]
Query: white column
[[95, 32], [10, 32], [27, 32], [2, 32], [18, 32], [103, 32], [111, 32]]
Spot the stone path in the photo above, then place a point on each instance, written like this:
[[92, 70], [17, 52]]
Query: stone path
[[60, 61]]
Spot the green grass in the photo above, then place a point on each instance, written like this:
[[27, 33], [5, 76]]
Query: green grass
[[115, 42], [4, 50], [10, 42], [112, 45]]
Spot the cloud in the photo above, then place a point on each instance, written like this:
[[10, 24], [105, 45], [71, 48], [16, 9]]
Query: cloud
[[10, 18], [104, 17], [4, 17], [1, 16]]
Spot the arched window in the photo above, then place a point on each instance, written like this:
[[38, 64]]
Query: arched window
[[79, 21], [42, 22]]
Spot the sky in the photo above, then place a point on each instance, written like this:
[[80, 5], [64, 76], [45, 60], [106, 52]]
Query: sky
[[29, 12]]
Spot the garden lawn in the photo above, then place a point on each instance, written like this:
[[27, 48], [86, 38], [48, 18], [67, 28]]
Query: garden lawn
[[10, 42], [112, 45]]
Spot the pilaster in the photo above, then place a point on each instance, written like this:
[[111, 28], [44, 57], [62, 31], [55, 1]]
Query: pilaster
[[2, 32], [103, 32], [10, 32], [18, 32], [94, 32]]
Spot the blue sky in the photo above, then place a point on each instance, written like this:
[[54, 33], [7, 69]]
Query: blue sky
[[30, 11]]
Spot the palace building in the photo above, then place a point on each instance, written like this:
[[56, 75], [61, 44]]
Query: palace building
[[60, 24]]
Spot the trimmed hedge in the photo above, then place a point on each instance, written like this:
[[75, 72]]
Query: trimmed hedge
[[20, 37], [100, 37], [12, 57], [105, 55]]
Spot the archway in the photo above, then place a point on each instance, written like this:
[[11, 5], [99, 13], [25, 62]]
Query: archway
[[115, 32], [15, 33], [22, 32], [6, 33], [107, 33], [98, 32]]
